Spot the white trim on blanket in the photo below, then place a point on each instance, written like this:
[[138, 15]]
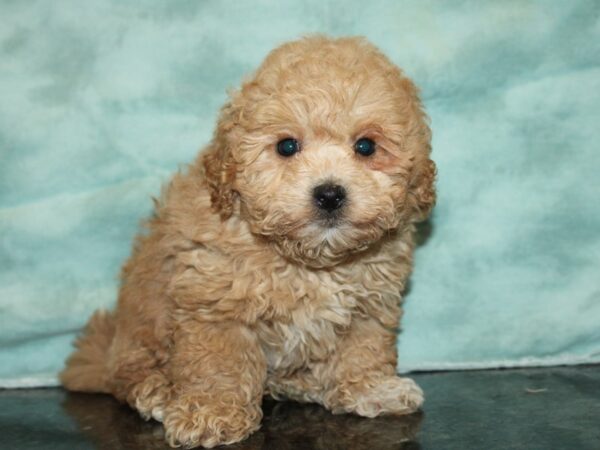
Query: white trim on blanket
[[31, 381], [566, 360]]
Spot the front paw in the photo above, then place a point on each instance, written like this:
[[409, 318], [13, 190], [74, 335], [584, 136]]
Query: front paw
[[389, 395], [193, 422]]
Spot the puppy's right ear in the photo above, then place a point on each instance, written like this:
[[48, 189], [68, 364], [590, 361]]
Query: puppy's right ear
[[219, 164]]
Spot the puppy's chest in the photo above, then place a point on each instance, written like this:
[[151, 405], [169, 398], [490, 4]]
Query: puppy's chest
[[304, 320], [299, 315]]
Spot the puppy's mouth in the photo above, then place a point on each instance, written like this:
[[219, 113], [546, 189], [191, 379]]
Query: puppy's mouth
[[331, 219]]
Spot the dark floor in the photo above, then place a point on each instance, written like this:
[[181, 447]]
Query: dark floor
[[555, 408]]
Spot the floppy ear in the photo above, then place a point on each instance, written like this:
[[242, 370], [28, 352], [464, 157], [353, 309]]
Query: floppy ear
[[421, 184], [421, 192], [219, 165]]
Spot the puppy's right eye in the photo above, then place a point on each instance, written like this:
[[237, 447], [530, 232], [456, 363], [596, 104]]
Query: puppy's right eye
[[288, 147]]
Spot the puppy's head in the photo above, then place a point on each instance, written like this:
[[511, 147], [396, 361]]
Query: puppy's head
[[327, 149]]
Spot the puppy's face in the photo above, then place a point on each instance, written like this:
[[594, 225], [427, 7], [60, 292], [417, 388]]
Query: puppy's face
[[327, 149]]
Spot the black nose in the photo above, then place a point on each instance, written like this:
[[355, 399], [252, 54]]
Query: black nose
[[329, 197]]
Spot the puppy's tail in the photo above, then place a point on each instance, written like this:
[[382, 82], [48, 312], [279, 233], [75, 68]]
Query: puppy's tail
[[86, 369]]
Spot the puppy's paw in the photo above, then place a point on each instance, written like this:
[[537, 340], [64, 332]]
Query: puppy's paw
[[150, 397], [190, 422], [393, 396], [389, 395]]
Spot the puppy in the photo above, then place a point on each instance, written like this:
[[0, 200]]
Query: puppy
[[274, 264]]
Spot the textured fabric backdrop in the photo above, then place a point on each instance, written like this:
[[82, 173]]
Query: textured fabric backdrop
[[100, 101]]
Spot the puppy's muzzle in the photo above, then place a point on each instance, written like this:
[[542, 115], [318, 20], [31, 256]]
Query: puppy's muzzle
[[329, 197]]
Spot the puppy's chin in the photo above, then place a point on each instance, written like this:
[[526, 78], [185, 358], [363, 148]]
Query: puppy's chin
[[326, 244]]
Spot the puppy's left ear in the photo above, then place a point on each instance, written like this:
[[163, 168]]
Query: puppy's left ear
[[421, 192], [219, 164], [421, 184]]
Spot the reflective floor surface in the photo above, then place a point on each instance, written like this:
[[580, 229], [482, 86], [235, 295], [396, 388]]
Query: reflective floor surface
[[551, 408]]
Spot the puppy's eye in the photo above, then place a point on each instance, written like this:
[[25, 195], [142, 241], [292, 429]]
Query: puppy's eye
[[287, 147], [364, 146]]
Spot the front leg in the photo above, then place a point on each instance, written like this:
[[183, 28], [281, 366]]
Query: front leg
[[218, 372], [363, 376]]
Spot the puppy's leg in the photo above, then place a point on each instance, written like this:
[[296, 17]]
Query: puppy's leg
[[218, 372], [363, 378]]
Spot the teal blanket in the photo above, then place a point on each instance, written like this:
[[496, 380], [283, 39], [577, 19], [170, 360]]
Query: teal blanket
[[102, 100]]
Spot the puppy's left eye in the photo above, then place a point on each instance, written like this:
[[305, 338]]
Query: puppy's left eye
[[364, 147], [288, 147]]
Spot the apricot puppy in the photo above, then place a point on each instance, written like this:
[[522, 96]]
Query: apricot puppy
[[275, 263]]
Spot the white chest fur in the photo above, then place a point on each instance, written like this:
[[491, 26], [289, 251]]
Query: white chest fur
[[309, 333], [308, 312]]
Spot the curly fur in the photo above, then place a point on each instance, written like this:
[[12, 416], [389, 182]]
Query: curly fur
[[238, 289]]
